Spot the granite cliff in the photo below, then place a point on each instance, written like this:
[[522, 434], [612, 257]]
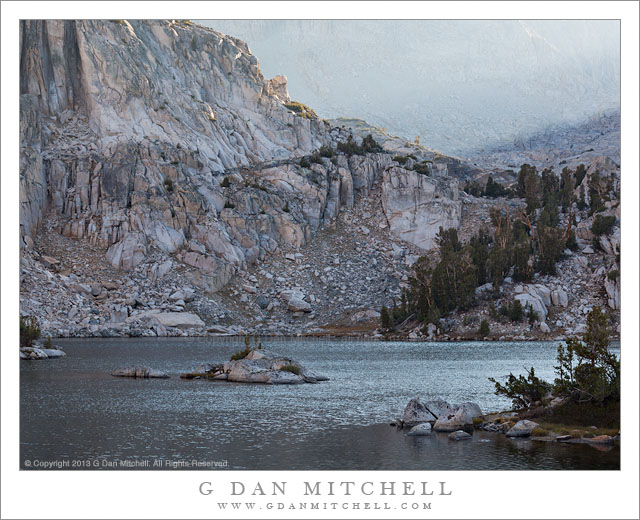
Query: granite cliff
[[157, 160]]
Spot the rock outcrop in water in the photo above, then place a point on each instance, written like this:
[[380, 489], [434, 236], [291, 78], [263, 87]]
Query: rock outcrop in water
[[258, 366], [36, 353]]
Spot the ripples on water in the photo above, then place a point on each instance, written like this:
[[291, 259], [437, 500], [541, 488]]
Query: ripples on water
[[72, 408]]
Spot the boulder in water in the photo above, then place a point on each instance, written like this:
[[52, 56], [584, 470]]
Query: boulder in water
[[522, 429], [459, 435], [420, 430], [415, 413], [460, 418], [437, 407], [32, 353], [53, 352]]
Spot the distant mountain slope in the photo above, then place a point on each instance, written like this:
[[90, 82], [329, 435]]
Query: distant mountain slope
[[460, 85], [568, 145]]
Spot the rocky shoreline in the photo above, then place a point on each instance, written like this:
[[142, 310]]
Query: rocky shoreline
[[460, 421]]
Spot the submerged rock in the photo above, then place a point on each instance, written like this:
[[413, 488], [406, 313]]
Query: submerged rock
[[459, 435], [139, 372], [600, 439], [420, 429]]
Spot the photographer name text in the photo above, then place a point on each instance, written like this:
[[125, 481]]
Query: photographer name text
[[327, 488]]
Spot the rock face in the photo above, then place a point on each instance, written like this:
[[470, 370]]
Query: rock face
[[150, 170], [522, 429], [139, 372], [160, 145], [127, 146], [612, 287], [417, 205], [278, 88], [155, 154]]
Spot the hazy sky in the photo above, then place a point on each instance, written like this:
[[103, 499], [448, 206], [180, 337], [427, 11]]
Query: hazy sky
[[460, 85]]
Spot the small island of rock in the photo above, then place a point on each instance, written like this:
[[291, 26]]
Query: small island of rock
[[257, 366]]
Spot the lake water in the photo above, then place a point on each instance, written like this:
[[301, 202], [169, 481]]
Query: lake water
[[76, 415]]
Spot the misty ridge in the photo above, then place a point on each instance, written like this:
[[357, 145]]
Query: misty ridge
[[465, 87]]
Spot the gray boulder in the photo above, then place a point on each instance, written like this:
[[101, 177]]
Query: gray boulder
[[139, 372], [298, 305], [54, 352], [542, 292], [415, 413], [420, 430], [185, 294], [32, 353], [437, 407], [182, 320], [536, 303], [544, 327], [522, 429], [559, 298], [472, 409], [459, 435], [460, 418], [262, 301]]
